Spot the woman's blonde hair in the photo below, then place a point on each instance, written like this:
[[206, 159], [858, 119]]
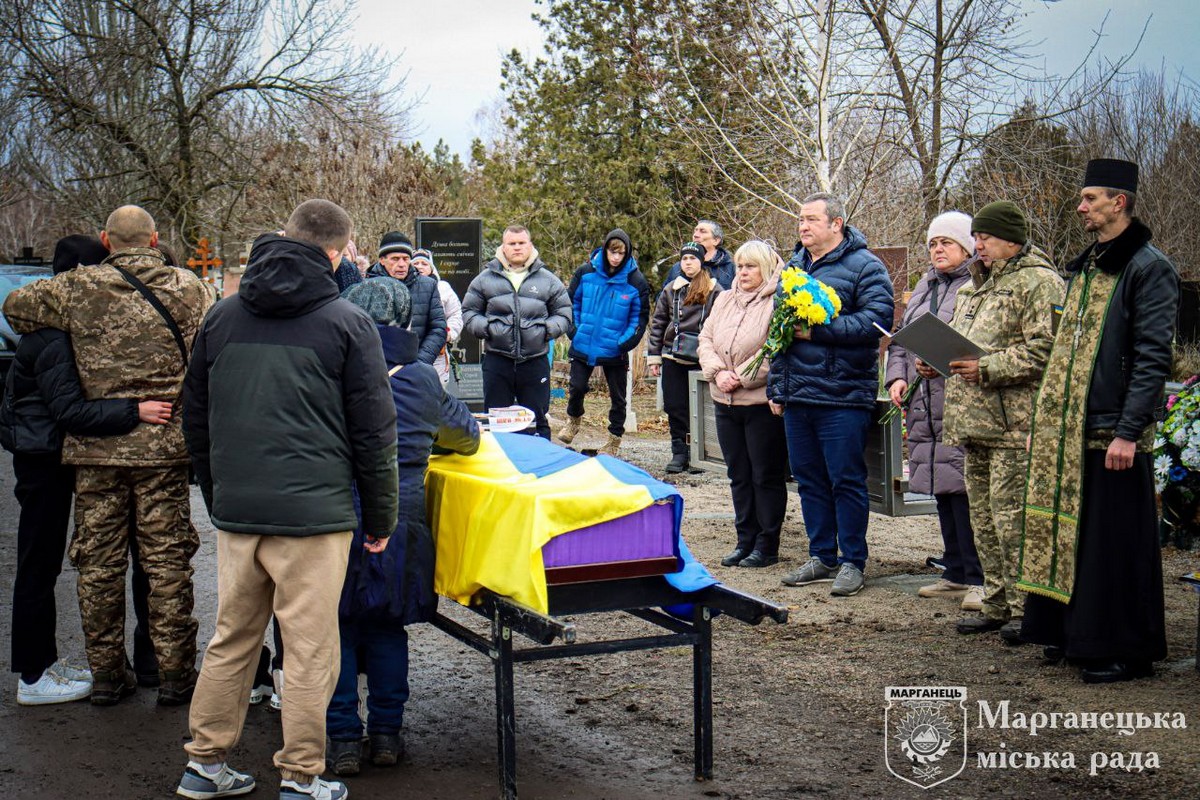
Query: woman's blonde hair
[[760, 254]]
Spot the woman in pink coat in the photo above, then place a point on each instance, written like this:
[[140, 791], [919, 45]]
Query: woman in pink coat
[[752, 438]]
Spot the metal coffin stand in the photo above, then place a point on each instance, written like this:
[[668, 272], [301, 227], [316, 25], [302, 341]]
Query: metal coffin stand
[[639, 597]]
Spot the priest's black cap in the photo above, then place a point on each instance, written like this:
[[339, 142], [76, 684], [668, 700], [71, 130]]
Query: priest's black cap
[[1111, 173]]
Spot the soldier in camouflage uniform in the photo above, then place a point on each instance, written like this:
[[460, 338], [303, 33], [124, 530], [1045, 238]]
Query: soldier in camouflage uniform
[[124, 348], [1008, 310]]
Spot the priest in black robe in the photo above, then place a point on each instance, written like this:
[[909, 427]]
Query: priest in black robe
[[1090, 557]]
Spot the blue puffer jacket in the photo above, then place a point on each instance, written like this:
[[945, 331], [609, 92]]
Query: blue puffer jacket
[[397, 584], [838, 365], [610, 311]]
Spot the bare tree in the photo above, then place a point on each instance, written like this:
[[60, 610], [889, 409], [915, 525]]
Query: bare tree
[[154, 100]]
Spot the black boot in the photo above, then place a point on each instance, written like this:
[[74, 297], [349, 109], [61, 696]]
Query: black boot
[[678, 463]]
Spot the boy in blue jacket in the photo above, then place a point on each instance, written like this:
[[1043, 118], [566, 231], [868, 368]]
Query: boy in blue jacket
[[384, 592], [611, 303]]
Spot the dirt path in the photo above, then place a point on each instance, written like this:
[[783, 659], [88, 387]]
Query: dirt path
[[799, 709]]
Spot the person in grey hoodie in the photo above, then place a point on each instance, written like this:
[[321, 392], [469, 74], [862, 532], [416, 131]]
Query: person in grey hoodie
[[517, 307], [936, 468]]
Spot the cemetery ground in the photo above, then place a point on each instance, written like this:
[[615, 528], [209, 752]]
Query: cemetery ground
[[798, 708]]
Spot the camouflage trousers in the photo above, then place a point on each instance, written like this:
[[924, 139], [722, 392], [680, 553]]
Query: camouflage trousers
[[161, 522], [995, 478]]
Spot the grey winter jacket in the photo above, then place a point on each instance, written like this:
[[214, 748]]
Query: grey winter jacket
[[517, 323], [934, 467]]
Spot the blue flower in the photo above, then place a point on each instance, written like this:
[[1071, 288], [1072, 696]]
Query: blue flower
[[1178, 473]]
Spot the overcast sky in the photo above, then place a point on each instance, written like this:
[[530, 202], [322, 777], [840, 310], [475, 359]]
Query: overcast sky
[[452, 49]]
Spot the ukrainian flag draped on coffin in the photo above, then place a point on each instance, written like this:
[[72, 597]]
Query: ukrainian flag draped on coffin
[[491, 513]]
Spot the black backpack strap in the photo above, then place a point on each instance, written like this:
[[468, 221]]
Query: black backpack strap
[[153, 300]]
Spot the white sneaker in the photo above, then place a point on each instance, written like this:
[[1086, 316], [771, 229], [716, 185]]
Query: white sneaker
[[943, 588], [276, 702], [65, 669], [973, 600], [51, 688], [319, 789]]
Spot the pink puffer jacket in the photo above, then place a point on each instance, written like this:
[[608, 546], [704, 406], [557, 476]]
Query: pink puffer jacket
[[734, 333]]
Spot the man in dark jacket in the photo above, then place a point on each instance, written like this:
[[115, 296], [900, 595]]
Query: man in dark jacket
[[385, 592], [517, 307], [717, 260], [286, 407], [610, 306], [428, 316], [825, 386], [42, 399], [1090, 555]]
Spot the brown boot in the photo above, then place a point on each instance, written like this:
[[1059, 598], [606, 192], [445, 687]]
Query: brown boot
[[109, 687], [177, 687], [611, 446], [568, 432]]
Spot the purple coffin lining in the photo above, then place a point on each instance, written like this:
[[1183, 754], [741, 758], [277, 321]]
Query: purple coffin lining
[[648, 533]]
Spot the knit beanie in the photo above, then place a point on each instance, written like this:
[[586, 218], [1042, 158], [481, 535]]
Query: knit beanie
[[692, 249], [395, 241], [385, 299], [71, 251], [1002, 219], [955, 226], [423, 253]]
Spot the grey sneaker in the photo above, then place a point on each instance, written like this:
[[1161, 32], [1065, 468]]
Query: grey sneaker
[[849, 581], [813, 572], [198, 784], [318, 788]]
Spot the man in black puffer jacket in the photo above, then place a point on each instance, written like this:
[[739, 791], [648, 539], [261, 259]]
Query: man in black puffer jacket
[[428, 316], [42, 399], [286, 407]]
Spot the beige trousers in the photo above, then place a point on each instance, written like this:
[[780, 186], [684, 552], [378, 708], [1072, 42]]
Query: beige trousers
[[299, 578]]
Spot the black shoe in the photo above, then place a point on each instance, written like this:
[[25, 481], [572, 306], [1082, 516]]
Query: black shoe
[[969, 625], [1053, 653], [343, 758], [758, 559], [936, 562], [109, 687], [1116, 671], [177, 687], [736, 557], [386, 748], [1011, 633], [678, 463]]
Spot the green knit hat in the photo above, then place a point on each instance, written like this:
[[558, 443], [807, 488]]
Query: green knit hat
[[1002, 219]]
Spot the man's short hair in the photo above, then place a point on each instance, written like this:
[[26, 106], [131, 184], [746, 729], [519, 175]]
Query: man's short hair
[[1130, 197], [320, 222], [129, 226], [834, 207], [717, 231], [515, 229]]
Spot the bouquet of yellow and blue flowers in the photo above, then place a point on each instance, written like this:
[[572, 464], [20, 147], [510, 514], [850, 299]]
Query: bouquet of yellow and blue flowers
[[805, 302]]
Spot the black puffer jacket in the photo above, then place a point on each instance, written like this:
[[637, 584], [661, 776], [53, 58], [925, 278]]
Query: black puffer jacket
[[287, 404], [428, 316], [519, 324], [43, 398], [1134, 357]]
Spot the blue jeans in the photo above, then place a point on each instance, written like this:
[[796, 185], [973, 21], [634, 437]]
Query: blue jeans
[[825, 448], [381, 651]]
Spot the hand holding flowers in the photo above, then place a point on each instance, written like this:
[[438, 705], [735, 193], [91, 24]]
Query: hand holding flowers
[[805, 302]]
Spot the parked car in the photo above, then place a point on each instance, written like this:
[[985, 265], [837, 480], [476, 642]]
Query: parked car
[[14, 276]]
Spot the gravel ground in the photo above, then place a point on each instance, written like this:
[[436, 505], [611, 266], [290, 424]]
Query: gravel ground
[[798, 708]]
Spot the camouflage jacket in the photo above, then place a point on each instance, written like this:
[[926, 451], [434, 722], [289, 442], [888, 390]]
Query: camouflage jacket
[[123, 348], [1008, 311]]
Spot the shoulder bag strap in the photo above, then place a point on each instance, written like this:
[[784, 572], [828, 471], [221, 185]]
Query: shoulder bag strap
[[153, 300], [392, 372]]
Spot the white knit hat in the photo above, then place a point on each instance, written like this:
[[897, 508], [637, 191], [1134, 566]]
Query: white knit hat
[[953, 225]]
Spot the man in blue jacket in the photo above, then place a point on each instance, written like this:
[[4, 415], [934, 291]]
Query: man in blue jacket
[[610, 300], [717, 261], [428, 316], [825, 386]]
